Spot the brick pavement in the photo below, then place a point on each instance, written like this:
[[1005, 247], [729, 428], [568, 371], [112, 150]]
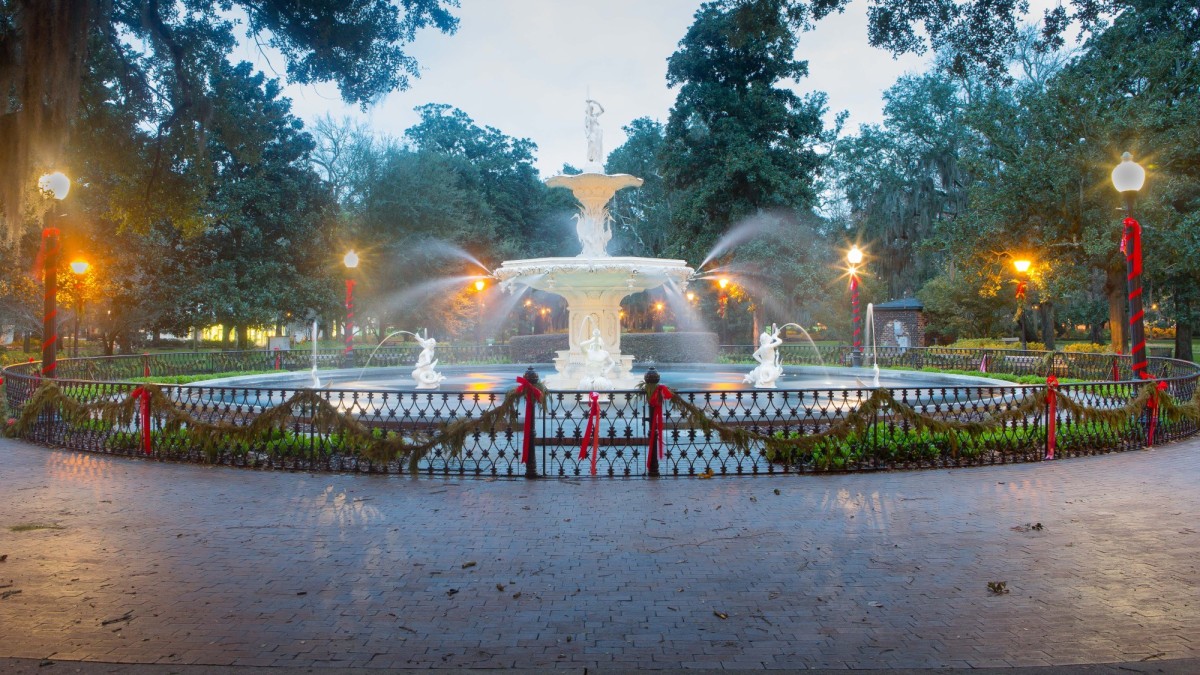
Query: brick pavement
[[182, 564]]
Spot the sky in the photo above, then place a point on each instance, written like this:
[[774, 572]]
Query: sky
[[526, 67]]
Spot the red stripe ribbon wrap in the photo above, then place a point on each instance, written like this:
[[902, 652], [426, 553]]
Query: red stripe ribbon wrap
[[661, 393], [591, 437], [1051, 414], [532, 396], [1152, 406], [143, 397]]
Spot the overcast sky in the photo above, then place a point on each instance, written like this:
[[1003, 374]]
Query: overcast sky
[[526, 67]]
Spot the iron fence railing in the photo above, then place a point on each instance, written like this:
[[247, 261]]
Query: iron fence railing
[[889, 441]]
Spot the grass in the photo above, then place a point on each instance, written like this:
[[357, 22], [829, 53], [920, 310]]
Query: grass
[[186, 379]]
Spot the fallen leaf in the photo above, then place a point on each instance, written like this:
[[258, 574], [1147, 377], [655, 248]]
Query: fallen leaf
[[470, 563], [4, 557], [720, 615], [777, 491], [500, 587], [516, 595], [707, 473], [452, 591], [998, 587]]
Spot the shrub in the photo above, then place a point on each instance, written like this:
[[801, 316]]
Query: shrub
[[994, 343], [1087, 348]]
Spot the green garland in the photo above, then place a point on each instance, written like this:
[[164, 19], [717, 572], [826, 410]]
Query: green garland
[[882, 401], [325, 419]]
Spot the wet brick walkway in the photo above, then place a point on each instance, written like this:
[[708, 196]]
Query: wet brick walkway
[[165, 563]]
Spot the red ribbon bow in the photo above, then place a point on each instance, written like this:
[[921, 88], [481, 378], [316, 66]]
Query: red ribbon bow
[[142, 395], [1131, 246], [661, 393], [1152, 406], [591, 437], [532, 396], [1051, 414]]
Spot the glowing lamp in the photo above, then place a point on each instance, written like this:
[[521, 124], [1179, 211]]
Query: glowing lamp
[[1128, 176], [480, 285], [350, 260], [1022, 265], [854, 256], [80, 267], [56, 184], [722, 282]]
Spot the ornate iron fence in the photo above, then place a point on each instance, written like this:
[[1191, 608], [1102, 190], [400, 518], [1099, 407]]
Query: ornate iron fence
[[901, 437]]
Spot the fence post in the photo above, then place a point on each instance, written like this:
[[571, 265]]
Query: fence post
[[531, 470], [652, 378]]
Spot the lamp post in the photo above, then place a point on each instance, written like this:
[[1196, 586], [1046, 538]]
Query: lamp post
[[722, 306], [1128, 178], [56, 185], [80, 268], [855, 257], [350, 260], [480, 284], [1022, 267]]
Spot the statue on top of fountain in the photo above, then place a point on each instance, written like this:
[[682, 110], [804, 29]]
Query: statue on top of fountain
[[769, 366], [595, 137]]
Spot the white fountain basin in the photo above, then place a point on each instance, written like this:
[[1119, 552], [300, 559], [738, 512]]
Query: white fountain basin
[[593, 289]]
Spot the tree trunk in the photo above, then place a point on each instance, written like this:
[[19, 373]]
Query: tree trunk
[[1183, 341], [1047, 314], [125, 341], [226, 332], [1114, 288], [27, 343]]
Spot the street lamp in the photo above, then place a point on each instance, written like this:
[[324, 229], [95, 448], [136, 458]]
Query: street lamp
[[55, 185], [480, 284], [855, 257], [1022, 266], [350, 260], [80, 268], [1128, 178], [722, 306]]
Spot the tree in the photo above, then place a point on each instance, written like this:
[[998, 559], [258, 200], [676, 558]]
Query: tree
[[906, 179], [168, 52], [739, 146], [641, 216]]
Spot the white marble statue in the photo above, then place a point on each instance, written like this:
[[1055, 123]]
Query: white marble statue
[[769, 368], [598, 363], [595, 137], [423, 372], [901, 335]]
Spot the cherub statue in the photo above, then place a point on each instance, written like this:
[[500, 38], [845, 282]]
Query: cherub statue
[[768, 369], [423, 372]]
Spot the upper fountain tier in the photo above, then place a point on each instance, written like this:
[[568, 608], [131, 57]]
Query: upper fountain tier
[[594, 190]]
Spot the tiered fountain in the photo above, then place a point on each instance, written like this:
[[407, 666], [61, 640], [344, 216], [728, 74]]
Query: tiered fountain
[[593, 283]]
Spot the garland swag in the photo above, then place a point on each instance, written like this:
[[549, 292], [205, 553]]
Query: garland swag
[[324, 418], [882, 401]]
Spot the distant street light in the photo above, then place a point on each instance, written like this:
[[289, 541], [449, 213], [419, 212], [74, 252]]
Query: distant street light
[[1128, 178], [855, 257], [80, 268], [56, 185], [722, 306], [350, 260], [1022, 266]]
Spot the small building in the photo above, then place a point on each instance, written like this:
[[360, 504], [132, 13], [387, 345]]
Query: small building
[[899, 323]]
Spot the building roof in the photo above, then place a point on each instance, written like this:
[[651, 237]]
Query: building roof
[[902, 303]]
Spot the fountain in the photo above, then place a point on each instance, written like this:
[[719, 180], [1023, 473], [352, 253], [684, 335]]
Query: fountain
[[593, 283]]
